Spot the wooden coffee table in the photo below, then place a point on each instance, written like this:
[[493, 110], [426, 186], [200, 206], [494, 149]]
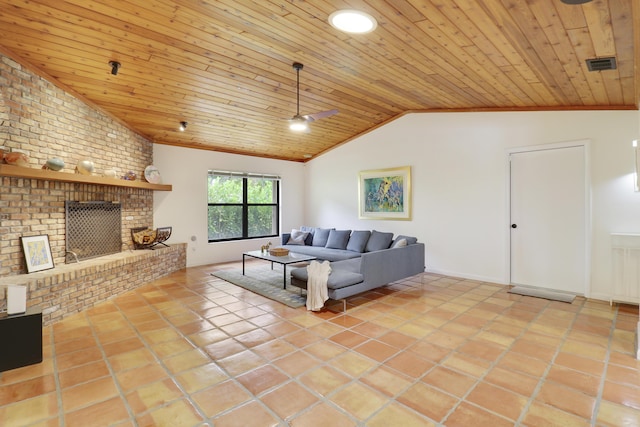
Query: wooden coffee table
[[291, 258]]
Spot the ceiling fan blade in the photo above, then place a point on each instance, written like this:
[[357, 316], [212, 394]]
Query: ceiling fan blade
[[321, 115]]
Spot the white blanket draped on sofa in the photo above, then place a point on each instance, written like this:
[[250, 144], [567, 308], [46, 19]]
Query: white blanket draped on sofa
[[317, 292]]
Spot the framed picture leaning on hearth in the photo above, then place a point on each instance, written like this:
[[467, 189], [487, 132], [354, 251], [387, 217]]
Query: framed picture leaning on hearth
[[385, 193], [37, 253]]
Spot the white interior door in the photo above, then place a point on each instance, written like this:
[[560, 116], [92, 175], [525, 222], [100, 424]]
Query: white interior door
[[548, 217]]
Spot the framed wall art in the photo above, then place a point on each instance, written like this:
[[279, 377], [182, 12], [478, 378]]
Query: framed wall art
[[385, 193], [37, 253]]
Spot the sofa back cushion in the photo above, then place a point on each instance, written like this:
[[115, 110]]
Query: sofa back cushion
[[378, 241], [320, 236], [338, 239], [358, 240]]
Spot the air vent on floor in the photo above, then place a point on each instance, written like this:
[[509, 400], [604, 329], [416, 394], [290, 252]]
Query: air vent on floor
[[601, 64]]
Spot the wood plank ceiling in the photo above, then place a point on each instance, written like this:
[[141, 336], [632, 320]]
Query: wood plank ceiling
[[225, 66]]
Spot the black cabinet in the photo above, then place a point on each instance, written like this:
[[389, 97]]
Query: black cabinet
[[21, 339]]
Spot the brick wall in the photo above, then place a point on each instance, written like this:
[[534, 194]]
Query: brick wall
[[46, 122]]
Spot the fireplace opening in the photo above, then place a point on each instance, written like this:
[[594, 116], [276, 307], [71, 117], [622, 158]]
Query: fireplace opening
[[93, 229]]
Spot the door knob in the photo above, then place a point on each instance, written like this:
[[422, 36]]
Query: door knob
[[514, 225]]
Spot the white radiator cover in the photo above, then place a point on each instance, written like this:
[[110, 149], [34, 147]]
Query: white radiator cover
[[626, 267]]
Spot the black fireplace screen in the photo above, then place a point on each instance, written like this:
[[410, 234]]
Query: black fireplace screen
[[93, 229]]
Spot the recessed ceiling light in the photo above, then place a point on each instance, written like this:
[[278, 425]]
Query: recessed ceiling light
[[353, 21]]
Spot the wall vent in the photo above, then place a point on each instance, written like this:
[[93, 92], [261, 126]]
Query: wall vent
[[601, 64]]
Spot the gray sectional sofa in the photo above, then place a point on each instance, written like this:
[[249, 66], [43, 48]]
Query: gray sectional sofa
[[360, 260]]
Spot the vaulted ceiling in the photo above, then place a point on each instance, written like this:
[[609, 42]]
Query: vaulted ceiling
[[225, 66]]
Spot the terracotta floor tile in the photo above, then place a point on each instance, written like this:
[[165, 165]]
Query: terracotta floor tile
[[221, 349], [622, 375], [241, 362], [324, 380], [253, 338], [88, 393], [28, 389], [612, 414], [410, 364], [251, 414], [376, 350], [325, 350], [544, 415], [323, 415], [439, 403], [430, 351], [132, 359], [140, 376], [369, 329], [71, 346], [387, 381], [348, 339], [567, 399], [467, 415], [497, 400], [358, 400], [83, 373], [175, 414], [574, 379], [296, 363], [288, 400], [520, 363], [149, 396], [262, 379], [77, 358], [622, 394], [535, 350], [449, 381], [352, 364], [511, 380], [109, 412], [481, 349], [161, 336], [201, 377], [221, 397], [187, 360], [26, 412], [172, 348], [467, 364], [398, 415]]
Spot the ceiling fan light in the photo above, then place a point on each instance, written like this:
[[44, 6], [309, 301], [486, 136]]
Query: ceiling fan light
[[353, 21], [298, 124]]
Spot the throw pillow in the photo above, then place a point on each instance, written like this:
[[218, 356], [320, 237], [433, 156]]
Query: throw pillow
[[399, 243], [378, 241], [338, 239], [410, 240], [297, 237], [358, 240], [320, 236], [309, 240]]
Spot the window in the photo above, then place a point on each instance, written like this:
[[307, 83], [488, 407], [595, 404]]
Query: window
[[242, 206]]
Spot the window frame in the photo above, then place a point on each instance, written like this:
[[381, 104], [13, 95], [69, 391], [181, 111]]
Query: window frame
[[245, 205]]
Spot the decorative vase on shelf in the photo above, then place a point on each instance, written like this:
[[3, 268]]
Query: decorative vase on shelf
[[110, 173], [17, 158], [84, 167], [54, 164], [129, 176]]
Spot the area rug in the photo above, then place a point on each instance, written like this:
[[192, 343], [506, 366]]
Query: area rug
[[542, 293], [266, 282]]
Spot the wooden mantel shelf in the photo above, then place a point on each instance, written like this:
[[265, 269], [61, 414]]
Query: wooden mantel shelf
[[48, 175]]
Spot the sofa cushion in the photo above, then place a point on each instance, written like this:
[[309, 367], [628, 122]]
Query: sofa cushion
[[338, 239], [378, 241], [320, 236], [410, 240], [338, 278], [323, 253], [358, 240], [297, 237]]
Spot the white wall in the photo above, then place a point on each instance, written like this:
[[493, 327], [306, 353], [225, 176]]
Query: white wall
[[460, 180], [185, 208]]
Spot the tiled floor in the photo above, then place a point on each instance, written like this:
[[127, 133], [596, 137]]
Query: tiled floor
[[193, 350]]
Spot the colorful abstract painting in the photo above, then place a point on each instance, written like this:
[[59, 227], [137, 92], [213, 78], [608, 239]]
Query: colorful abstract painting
[[385, 193]]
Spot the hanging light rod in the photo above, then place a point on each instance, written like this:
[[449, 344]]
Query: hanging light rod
[[575, 1], [115, 66]]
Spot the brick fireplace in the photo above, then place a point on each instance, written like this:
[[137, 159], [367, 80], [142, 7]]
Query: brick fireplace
[[46, 121]]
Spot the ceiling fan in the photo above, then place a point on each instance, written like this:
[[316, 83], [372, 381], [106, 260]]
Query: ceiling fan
[[300, 123]]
